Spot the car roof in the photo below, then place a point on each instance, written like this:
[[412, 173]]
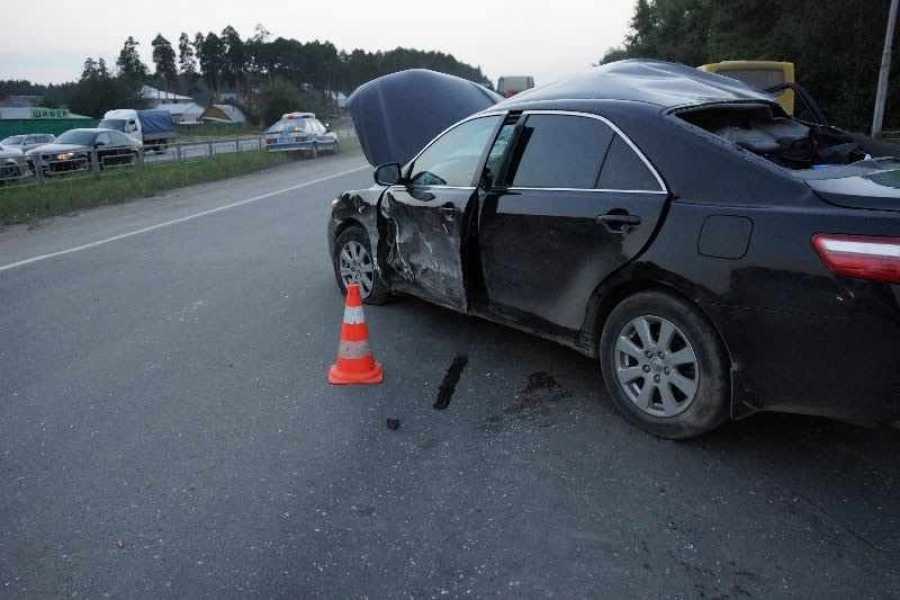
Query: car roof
[[659, 83]]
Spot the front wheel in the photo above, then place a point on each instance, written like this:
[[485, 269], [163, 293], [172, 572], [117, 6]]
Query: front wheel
[[664, 366], [354, 262]]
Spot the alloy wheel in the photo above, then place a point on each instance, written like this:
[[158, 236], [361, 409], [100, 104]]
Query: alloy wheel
[[356, 266], [656, 366]]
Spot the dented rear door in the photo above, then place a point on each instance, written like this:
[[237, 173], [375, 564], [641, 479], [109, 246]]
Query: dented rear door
[[426, 218], [576, 201]]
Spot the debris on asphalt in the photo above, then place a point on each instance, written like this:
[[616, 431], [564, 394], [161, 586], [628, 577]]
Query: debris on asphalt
[[393, 424], [451, 378]]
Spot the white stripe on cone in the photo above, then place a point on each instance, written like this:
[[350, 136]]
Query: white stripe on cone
[[353, 315], [354, 349]]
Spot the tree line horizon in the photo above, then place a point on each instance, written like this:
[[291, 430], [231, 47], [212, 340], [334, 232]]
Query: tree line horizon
[[251, 70]]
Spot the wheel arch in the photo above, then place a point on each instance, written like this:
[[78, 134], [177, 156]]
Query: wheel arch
[[612, 292], [345, 224]]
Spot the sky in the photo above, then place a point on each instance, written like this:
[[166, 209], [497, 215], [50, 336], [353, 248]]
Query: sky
[[46, 41]]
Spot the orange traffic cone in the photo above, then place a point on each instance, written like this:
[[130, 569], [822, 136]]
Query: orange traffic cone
[[355, 363]]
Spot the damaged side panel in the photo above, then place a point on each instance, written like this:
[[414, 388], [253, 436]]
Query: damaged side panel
[[356, 208], [422, 243]]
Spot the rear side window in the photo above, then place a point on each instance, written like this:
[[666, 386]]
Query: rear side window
[[624, 170], [559, 151]]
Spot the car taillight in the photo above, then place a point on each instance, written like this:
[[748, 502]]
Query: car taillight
[[861, 256]]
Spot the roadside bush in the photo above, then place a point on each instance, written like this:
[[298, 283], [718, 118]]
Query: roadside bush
[[281, 96]]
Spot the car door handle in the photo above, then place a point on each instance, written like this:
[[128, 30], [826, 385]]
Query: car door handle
[[618, 221]]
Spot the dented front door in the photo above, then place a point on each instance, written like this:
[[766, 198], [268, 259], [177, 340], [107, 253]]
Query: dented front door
[[425, 218], [424, 241]]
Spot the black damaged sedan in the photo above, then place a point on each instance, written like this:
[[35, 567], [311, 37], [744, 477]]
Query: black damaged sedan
[[717, 257]]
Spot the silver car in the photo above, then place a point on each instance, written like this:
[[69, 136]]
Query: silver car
[[28, 141], [300, 131], [12, 164]]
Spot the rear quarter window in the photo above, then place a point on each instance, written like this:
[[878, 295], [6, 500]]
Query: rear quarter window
[[623, 169]]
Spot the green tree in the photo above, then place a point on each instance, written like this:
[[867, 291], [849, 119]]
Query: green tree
[[164, 59], [212, 60], [234, 62], [278, 97], [129, 63], [836, 48], [187, 65], [98, 91]]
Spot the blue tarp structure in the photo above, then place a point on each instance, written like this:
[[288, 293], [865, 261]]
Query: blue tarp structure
[[156, 121], [397, 114]]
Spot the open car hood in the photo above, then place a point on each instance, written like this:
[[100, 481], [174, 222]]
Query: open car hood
[[397, 114]]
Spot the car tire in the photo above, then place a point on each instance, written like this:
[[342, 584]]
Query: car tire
[[353, 238], [686, 398]]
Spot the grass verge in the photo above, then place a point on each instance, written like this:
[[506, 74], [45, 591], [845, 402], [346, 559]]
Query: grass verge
[[26, 203]]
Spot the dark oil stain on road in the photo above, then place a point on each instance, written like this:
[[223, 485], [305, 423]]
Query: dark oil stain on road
[[533, 404], [451, 378], [541, 389]]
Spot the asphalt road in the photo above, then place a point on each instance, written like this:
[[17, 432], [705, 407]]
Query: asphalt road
[[166, 431]]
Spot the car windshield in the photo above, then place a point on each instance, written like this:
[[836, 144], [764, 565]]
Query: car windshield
[[80, 137], [13, 140], [117, 124]]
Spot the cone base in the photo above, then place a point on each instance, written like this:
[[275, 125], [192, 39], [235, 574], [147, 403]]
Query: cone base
[[337, 377]]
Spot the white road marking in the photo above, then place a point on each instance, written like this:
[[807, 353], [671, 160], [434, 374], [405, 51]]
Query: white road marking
[[203, 213]]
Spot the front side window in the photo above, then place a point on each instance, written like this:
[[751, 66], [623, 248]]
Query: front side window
[[453, 158], [559, 151]]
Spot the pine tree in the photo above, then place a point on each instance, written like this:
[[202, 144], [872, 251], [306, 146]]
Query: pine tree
[[164, 59], [187, 65], [129, 63]]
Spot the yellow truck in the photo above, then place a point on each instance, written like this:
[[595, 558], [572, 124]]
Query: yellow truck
[[759, 74]]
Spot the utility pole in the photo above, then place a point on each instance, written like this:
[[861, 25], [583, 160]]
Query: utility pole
[[881, 93]]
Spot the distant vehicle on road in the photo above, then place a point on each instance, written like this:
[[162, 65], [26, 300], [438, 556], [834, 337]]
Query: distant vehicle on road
[[714, 255], [300, 131], [12, 163], [155, 129], [510, 85], [27, 141], [72, 151]]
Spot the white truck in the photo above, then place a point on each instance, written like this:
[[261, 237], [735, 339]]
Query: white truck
[[154, 128]]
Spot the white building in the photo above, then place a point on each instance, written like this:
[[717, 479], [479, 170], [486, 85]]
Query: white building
[[183, 113], [155, 97]]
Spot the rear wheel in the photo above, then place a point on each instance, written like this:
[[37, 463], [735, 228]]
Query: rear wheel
[[664, 366], [354, 262]]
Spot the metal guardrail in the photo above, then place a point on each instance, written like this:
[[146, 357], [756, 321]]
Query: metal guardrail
[[95, 162]]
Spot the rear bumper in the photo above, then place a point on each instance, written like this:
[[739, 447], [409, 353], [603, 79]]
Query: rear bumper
[[288, 147]]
